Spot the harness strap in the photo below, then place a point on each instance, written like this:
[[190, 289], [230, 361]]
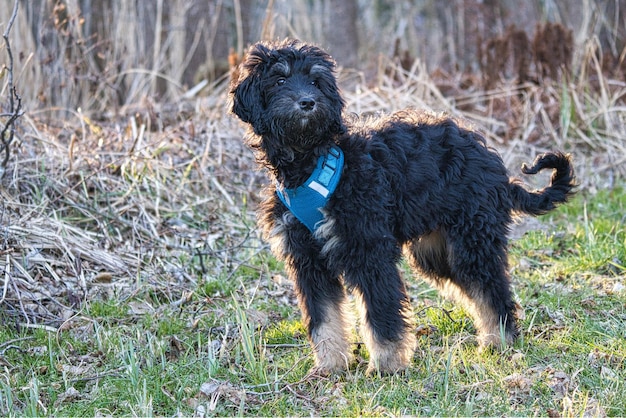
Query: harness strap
[[306, 201]]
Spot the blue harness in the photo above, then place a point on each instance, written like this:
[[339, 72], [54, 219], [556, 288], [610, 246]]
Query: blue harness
[[306, 201]]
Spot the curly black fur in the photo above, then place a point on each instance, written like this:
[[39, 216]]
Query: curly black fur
[[412, 181]]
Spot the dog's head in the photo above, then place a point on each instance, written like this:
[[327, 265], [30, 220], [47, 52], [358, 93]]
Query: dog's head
[[288, 90]]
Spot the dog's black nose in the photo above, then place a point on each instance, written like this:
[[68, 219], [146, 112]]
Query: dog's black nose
[[306, 103]]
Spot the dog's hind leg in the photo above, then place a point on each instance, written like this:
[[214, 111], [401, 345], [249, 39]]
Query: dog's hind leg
[[478, 259], [471, 271]]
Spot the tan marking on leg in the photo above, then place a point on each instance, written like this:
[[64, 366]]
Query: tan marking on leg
[[276, 237], [326, 233], [486, 320], [330, 341], [385, 356], [432, 244]]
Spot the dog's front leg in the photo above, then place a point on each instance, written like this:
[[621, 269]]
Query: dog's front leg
[[321, 294], [386, 315], [322, 301]]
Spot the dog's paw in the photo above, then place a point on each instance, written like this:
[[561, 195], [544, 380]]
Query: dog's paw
[[331, 362], [391, 357], [391, 363], [317, 372], [497, 342], [387, 367]]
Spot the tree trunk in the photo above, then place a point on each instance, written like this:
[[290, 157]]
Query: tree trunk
[[341, 36]]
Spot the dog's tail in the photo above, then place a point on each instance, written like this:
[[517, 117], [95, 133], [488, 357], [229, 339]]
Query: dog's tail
[[559, 191]]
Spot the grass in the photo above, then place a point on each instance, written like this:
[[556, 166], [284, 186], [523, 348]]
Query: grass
[[245, 352]]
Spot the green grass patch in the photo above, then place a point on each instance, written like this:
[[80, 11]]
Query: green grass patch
[[235, 344]]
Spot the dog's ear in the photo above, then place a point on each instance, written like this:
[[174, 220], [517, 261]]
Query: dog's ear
[[324, 69], [246, 92], [246, 100]]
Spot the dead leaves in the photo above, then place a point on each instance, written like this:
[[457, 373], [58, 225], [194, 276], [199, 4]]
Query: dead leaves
[[518, 386], [562, 387], [521, 385], [212, 393], [606, 364], [70, 395]]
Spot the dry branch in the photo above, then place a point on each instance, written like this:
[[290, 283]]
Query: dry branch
[[15, 102]]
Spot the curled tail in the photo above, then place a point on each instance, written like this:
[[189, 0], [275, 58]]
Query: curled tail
[[559, 191]]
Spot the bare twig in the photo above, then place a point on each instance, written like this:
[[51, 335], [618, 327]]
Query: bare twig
[[15, 102]]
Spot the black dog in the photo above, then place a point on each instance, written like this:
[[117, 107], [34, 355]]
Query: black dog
[[348, 196]]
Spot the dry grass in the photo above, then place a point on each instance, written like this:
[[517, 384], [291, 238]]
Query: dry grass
[[585, 117], [131, 199], [112, 201]]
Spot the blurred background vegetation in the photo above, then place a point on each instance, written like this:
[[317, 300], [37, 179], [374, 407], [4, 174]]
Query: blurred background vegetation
[[101, 55]]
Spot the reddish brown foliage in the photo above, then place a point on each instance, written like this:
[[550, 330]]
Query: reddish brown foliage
[[513, 56]]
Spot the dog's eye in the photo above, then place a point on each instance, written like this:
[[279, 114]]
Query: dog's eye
[[280, 81], [315, 83]]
